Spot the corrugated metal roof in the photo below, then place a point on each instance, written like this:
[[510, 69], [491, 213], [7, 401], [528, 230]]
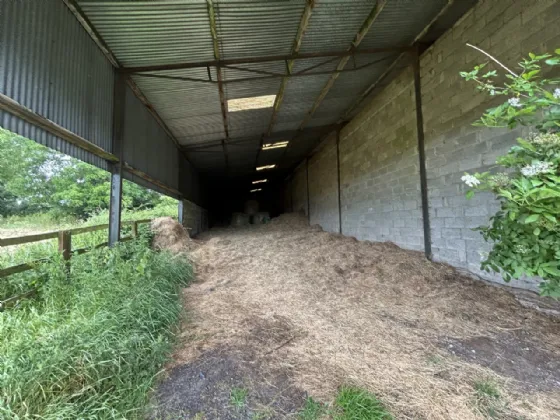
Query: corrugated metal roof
[[253, 28], [334, 24], [165, 32], [153, 32]]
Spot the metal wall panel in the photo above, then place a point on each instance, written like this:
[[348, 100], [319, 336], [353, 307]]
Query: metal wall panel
[[146, 145], [49, 64]]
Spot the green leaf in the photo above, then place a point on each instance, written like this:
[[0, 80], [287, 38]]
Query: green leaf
[[552, 270], [537, 232], [469, 194], [525, 144], [532, 218], [550, 217], [553, 61]]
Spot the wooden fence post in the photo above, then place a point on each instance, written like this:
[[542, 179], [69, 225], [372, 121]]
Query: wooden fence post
[[65, 246], [134, 229]]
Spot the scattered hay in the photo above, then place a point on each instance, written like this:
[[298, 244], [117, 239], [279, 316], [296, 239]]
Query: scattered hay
[[171, 236], [333, 310]]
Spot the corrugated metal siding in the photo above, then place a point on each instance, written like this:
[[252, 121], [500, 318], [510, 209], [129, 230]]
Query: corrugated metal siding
[[146, 146], [49, 64]]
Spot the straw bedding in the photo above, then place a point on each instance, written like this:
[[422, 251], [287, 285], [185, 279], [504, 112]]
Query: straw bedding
[[328, 310]]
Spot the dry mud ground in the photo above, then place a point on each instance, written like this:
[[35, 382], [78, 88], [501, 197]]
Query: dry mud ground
[[287, 311]]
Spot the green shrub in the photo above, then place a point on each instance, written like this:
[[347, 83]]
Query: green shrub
[[525, 232], [90, 345]]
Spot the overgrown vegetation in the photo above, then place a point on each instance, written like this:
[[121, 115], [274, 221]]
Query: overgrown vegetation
[[90, 345], [525, 232]]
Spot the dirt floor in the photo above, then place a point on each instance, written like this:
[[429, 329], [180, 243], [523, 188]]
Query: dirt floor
[[286, 311]]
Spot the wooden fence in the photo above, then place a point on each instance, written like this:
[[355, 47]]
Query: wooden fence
[[64, 243]]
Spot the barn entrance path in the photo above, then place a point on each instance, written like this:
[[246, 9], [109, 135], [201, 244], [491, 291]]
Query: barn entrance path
[[284, 311]]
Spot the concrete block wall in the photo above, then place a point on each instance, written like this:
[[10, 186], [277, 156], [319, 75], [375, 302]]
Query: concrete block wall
[[195, 218], [323, 191], [380, 184]]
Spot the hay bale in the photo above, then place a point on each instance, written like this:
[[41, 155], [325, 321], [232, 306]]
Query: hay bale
[[171, 236], [239, 219]]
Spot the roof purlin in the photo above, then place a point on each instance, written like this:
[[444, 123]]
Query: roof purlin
[[290, 63], [223, 103]]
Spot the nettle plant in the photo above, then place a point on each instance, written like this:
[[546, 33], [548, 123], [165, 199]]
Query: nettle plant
[[525, 232]]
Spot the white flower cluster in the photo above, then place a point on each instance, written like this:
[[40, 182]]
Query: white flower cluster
[[514, 102], [470, 180], [537, 168], [546, 139], [521, 249], [557, 93]]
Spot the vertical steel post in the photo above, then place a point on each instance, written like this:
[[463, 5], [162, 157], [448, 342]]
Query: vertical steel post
[[338, 180], [180, 210], [307, 189], [115, 204], [421, 153]]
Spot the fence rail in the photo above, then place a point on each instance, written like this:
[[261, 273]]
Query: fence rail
[[64, 243]]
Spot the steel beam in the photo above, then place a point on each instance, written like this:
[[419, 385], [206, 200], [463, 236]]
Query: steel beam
[[261, 59], [304, 22], [266, 75], [373, 15], [15, 108], [115, 202], [223, 103], [422, 155]]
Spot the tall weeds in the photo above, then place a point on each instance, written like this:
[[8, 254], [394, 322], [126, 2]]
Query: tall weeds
[[90, 345]]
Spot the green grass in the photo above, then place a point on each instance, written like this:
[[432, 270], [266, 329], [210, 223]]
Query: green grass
[[312, 410], [238, 397], [487, 389], [351, 403], [90, 346], [488, 399], [354, 403]]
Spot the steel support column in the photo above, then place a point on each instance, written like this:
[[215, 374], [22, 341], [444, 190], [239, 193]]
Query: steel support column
[[180, 210], [307, 189], [421, 153], [115, 203], [338, 180]]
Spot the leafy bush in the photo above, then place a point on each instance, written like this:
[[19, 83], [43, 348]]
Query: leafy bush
[[90, 346], [525, 232]]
